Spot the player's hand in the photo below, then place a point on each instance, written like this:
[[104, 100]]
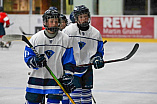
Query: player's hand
[[98, 62], [38, 61], [67, 83]]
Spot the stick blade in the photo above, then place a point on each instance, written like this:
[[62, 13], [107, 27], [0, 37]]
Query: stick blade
[[133, 51], [12, 37]]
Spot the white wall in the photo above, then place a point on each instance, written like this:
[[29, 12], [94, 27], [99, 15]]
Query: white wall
[[88, 3], [106, 7], [110, 7], [27, 22], [155, 27]]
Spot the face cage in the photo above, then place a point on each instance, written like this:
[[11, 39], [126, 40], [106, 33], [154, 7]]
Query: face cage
[[85, 24], [52, 29]]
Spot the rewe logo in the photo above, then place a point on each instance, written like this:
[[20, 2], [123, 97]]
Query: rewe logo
[[122, 22]]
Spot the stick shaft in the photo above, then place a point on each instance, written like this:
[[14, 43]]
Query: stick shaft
[[93, 99]]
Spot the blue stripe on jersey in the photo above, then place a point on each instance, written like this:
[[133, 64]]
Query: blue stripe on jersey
[[53, 101], [79, 75], [42, 82], [68, 57], [100, 48], [44, 91]]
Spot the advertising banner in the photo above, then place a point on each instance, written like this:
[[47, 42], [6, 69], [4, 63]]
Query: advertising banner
[[124, 26]]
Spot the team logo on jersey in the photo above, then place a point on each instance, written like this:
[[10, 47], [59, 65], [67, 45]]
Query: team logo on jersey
[[49, 53], [81, 44]]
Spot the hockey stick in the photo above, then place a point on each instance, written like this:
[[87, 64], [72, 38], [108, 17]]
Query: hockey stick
[[93, 99], [104, 41], [23, 31], [23, 38], [11, 23], [8, 25], [136, 46]]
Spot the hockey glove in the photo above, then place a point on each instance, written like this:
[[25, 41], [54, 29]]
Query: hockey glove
[[67, 83], [98, 62], [37, 61]]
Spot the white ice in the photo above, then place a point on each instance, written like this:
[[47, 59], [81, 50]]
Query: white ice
[[129, 82]]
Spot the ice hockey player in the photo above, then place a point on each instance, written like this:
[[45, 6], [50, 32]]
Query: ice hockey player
[[55, 51], [88, 48], [4, 23], [64, 22]]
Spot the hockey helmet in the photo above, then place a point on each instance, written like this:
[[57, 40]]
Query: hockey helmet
[[79, 10], [48, 15], [72, 18], [63, 17], [53, 8]]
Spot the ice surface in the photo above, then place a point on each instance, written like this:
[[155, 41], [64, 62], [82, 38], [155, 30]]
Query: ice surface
[[129, 82]]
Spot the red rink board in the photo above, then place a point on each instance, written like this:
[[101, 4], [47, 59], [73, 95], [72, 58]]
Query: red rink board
[[124, 26]]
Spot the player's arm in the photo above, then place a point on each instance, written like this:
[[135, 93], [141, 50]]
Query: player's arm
[[69, 64], [97, 59], [68, 61], [6, 21], [32, 60]]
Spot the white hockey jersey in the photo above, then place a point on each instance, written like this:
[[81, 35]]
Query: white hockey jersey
[[57, 53], [86, 44]]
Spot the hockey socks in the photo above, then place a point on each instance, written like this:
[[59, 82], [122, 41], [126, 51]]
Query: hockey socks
[[76, 96], [86, 96], [65, 99]]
